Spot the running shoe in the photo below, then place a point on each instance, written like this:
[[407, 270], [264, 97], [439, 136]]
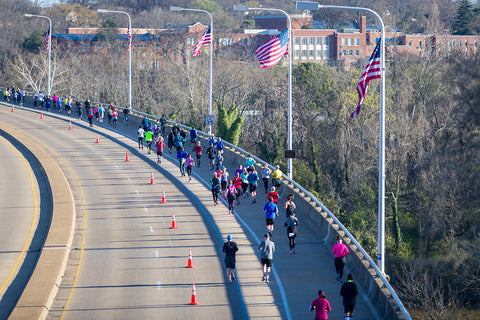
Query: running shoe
[[263, 278]]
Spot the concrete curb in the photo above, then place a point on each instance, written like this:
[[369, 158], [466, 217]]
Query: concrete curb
[[42, 287]]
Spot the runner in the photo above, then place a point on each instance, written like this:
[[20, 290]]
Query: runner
[[149, 140], [178, 141], [140, 135], [291, 223], [224, 182], [244, 177], [190, 163], [182, 156], [115, 118], [277, 177], [163, 122], [237, 182], [231, 197], [253, 184], [211, 156], [321, 306], [218, 159], [126, 112], [193, 137], [349, 293], [215, 182], [340, 251], [101, 113], [265, 176], [267, 248], [271, 212], [220, 145], [230, 248], [170, 141], [160, 145], [290, 205], [90, 116], [198, 151], [249, 163], [273, 194]]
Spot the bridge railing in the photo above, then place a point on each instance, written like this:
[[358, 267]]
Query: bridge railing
[[397, 308]]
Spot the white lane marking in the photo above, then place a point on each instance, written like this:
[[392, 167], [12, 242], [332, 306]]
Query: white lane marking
[[151, 229], [159, 285], [156, 254], [117, 166], [129, 179], [77, 140], [145, 208], [104, 156], [137, 192], [90, 147], [170, 242], [50, 127]]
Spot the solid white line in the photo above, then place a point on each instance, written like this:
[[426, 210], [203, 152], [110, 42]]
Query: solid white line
[[145, 208], [137, 192], [156, 254], [117, 166], [151, 229], [159, 285], [129, 179]]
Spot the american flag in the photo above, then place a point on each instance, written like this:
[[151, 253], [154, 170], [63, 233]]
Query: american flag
[[205, 39], [371, 71], [129, 34], [47, 40], [270, 53]]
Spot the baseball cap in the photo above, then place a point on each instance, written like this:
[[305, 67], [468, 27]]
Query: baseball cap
[[229, 237], [266, 235]]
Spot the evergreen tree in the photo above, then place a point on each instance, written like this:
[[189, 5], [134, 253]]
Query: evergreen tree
[[464, 20], [229, 123]]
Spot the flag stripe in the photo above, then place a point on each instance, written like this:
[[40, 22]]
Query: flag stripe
[[47, 40], [204, 40], [372, 71], [129, 34], [272, 51]]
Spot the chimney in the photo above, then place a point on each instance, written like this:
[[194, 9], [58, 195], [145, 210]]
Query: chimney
[[363, 24]]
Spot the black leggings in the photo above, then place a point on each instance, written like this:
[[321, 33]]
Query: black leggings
[[215, 194], [339, 264], [265, 184]]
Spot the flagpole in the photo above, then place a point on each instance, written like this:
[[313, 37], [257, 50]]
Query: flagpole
[[307, 5], [49, 46], [289, 116], [210, 79], [129, 52]]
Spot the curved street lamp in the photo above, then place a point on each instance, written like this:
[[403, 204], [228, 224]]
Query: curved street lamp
[[49, 45], [129, 53], [211, 58]]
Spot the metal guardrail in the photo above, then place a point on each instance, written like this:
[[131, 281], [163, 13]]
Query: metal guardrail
[[258, 160]]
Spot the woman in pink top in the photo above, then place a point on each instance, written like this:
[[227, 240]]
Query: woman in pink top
[[340, 251], [321, 306], [230, 196], [189, 163]]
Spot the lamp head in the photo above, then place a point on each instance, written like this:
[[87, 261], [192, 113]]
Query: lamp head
[[307, 5], [102, 10], [176, 9], [28, 15], [239, 7]]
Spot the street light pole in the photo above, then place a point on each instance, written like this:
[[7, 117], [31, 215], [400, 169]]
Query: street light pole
[[307, 5], [49, 45], [129, 53], [210, 81], [289, 121]]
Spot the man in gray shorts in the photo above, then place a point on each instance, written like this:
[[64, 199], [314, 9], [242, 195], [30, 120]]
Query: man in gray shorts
[[230, 248], [267, 248]]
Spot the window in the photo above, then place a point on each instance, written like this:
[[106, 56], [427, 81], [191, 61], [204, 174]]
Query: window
[[304, 54], [319, 53], [304, 41], [225, 41], [357, 52], [156, 65], [311, 41], [344, 41], [460, 44], [325, 41], [240, 42], [420, 43], [350, 52], [181, 46], [297, 41], [344, 53], [191, 41], [296, 54], [142, 65], [350, 41], [325, 54], [249, 42], [409, 42], [319, 41], [140, 45], [357, 41], [311, 54]]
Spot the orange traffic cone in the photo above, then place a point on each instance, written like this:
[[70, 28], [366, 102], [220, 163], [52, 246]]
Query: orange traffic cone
[[41, 115], [126, 156], [174, 226], [151, 179], [13, 109], [189, 265], [97, 141], [69, 125], [194, 295], [163, 196]]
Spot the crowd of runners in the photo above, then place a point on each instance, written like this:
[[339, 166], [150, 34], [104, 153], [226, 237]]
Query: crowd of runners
[[236, 186]]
